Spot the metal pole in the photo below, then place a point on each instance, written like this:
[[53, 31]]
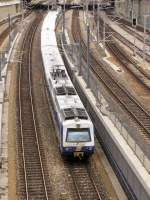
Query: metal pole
[[134, 50], [87, 20], [9, 24], [48, 5], [144, 46], [22, 12], [80, 55], [64, 18], [0, 130], [1, 59], [98, 22], [88, 56], [134, 25], [104, 33], [93, 7]]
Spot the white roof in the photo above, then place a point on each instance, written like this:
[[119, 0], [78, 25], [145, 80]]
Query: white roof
[[53, 62], [66, 101]]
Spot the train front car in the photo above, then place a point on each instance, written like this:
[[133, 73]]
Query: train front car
[[77, 134], [74, 128]]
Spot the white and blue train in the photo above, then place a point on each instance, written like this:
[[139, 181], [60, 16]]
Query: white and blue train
[[75, 128]]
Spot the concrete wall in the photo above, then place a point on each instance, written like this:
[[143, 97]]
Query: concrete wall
[[139, 7]]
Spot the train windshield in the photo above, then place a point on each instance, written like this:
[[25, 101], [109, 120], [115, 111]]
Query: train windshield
[[78, 135]]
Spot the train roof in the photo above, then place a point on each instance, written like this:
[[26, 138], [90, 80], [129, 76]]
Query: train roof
[[66, 97], [65, 93]]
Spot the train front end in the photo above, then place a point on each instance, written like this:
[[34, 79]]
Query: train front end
[[77, 138]]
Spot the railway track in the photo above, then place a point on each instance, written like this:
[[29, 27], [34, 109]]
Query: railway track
[[86, 186], [134, 32], [131, 106], [125, 22], [126, 59], [127, 42], [122, 56], [33, 175]]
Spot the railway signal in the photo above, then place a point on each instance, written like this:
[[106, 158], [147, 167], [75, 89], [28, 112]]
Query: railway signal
[[134, 22]]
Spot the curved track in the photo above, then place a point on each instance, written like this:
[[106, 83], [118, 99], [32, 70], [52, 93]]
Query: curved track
[[33, 180], [134, 109]]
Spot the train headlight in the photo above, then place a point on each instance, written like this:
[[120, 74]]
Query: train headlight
[[67, 148], [89, 148]]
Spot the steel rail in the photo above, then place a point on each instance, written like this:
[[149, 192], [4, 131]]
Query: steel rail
[[76, 171], [134, 32], [126, 22], [76, 185], [126, 59], [21, 122], [94, 184], [34, 27]]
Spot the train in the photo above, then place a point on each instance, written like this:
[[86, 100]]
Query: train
[[75, 130]]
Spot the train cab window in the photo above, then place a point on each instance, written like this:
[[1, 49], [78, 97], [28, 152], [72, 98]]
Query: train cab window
[[78, 135]]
